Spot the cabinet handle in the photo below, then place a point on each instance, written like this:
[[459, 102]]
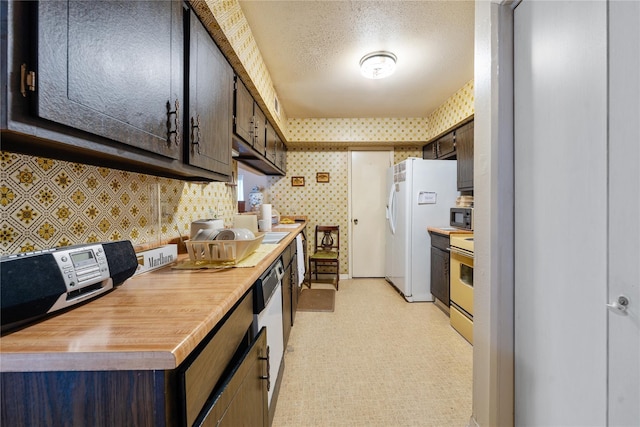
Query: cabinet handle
[[176, 122], [27, 80], [268, 376], [195, 132], [435, 153]]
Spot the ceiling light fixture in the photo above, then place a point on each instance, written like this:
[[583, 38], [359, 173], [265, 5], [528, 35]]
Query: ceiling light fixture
[[378, 65]]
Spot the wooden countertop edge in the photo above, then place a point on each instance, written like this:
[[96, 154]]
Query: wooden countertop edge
[[445, 230], [30, 360], [98, 361]]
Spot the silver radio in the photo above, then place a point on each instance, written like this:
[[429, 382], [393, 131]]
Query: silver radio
[[34, 284]]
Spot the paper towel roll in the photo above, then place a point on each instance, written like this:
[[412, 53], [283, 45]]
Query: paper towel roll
[[249, 222], [265, 213]]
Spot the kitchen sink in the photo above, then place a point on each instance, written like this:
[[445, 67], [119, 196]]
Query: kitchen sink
[[273, 237]]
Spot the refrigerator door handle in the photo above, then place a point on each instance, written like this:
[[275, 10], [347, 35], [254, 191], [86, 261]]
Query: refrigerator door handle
[[390, 207]]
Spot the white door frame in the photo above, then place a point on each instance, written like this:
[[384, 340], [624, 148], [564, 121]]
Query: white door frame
[[350, 195], [493, 215]]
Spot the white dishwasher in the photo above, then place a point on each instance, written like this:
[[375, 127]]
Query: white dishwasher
[[267, 309]]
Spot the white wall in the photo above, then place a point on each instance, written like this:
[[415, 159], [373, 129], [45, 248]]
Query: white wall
[[252, 178]]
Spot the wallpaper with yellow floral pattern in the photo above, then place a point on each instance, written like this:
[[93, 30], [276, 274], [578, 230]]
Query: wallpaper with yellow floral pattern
[[48, 203]]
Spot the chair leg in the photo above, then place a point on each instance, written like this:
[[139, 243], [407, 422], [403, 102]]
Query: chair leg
[[337, 274]]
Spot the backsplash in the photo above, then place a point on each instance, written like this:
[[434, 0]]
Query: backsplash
[[49, 203]]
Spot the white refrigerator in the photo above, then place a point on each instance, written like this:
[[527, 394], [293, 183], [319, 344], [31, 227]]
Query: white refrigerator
[[420, 194]]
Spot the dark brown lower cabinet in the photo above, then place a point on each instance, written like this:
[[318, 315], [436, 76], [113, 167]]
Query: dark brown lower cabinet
[[223, 382], [440, 267], [236, 403], [115, 398], [289, 289]]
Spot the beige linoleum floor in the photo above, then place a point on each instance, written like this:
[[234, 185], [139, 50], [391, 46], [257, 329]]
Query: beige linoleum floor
[[375, 361]]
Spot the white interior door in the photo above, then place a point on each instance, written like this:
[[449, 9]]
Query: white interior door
[[624, 203], [577, 161], [560, 223], [368, 203]]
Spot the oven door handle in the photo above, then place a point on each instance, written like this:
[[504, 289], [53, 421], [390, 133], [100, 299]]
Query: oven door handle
[[462, 252]]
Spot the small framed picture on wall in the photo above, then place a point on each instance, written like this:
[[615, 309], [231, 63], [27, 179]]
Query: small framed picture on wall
[[322, 177], [297, 181]]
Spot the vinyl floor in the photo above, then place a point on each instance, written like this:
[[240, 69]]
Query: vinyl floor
[[375, 361]]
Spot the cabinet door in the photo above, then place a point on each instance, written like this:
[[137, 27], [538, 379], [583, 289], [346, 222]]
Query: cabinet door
[[243, 112], [243, 398], [294, 286], [440, 275], [272, 141], [446, 145], [430, 151], [210, 103], [114, 69], [286, 304], [464, 146], [281, 155], [260, 129]]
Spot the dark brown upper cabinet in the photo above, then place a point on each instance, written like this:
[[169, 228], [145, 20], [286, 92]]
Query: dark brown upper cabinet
[[208, 125], [103, 82], [281, 155], [271, 144], [260, 130], [254, 137], [113, 69], [243, 124], [249, 120], [442, 148], [464, 147], [455, 145]]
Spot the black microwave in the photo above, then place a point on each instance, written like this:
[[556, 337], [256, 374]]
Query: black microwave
[[461, 218]]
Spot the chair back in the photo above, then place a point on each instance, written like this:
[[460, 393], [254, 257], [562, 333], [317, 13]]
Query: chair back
[[327, 238]]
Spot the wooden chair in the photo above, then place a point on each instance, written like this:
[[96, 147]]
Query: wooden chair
[[326, 252]]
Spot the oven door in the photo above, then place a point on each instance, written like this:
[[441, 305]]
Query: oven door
[[462, 280]]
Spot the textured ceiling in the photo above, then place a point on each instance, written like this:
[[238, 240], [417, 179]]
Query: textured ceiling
[[312, 50]]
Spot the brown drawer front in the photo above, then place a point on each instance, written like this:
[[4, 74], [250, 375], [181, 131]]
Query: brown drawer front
[[439, 241], [243, 398], [205, 371]]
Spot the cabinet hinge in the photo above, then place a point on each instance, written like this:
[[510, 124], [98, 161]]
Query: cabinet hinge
[[27, 80]]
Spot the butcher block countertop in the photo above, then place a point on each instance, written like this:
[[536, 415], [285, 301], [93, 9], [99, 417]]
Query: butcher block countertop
[[446, 230], [151, 322]]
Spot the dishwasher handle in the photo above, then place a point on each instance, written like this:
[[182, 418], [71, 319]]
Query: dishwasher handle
[[268, 376]]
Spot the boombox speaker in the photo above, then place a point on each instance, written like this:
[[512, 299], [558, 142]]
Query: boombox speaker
[[39, 283]]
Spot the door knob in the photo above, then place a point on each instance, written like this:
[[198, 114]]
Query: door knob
[[355, 221], [619, 305]]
